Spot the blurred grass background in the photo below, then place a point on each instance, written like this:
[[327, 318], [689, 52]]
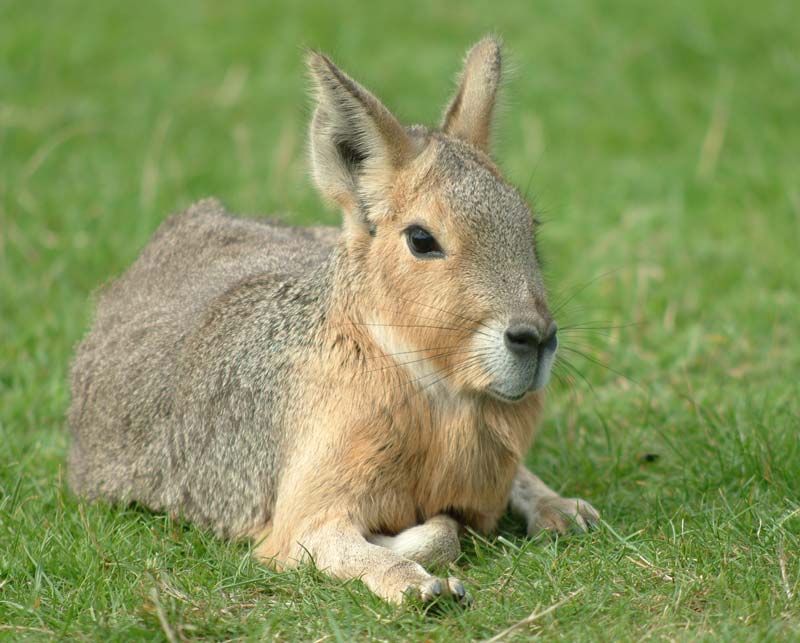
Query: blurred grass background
[[659, 142]]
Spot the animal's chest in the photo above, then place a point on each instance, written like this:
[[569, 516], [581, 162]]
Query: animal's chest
[[466, 467], [417, 462]]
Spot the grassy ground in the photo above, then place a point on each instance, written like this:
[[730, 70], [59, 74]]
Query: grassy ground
[[660, 142]]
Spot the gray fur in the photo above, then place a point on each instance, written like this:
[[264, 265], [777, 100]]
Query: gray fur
[[503, 271], [187, 389], [183, 388], [177, 388]]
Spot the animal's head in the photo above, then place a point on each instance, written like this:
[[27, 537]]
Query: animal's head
[[442, 245]]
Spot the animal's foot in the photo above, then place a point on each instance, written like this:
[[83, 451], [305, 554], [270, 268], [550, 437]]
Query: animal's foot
[[562, 515], [436, 589]]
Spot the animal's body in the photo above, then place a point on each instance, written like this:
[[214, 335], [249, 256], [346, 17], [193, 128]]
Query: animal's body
[[352, 395]]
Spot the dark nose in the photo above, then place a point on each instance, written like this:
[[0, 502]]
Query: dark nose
[[525, 339]]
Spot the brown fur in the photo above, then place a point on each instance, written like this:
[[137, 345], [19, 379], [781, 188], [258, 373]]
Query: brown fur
[[338, 397]]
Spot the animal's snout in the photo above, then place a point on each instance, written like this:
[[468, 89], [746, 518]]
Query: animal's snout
[[522, 339], [525, 338]]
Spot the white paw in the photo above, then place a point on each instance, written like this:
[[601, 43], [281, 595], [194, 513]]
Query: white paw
[[407, 581], [435, 589]]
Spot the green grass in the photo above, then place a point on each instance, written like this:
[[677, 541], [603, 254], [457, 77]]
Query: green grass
[[660, 142]]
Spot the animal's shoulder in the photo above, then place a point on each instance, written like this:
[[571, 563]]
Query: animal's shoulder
[[198, 255], [206, 232]]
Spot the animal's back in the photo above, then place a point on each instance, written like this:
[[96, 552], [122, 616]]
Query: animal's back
[[150, 421]]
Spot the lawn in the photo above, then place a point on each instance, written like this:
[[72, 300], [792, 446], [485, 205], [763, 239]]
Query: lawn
[[660, 144]]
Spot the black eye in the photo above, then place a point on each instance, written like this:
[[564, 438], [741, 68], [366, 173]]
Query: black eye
[[422, 243]]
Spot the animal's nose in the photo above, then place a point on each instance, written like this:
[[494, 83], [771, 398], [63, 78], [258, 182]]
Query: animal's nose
[[549, 344], [524, 339]]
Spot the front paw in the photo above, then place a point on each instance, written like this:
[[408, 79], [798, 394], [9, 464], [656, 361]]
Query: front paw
[[562, 515], [409, 582], [436, 589]]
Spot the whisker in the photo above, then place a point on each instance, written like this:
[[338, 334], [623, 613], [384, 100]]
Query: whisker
[[473, 361], [439, 375], [419, 350], [462, 330], [444, 368], [572, 387], [563, 379], [417, 315], [448, 312], [423, 359], [444, 372], [590, 332], [599, 363], [558, 306], [435, 319], [576, 371], [596, 325], [580, 341]]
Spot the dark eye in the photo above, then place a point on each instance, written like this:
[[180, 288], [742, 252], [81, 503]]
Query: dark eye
[[422, 243]]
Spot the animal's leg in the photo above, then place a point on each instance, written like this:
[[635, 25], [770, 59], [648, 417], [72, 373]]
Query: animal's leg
[[544, 509], [435, 542], [339, 549]]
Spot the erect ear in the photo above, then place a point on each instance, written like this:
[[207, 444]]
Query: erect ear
[[469, 114], [352, 135]]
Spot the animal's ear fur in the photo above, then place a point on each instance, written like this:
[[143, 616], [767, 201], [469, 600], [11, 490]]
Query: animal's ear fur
[[469, 114], [353, 135]]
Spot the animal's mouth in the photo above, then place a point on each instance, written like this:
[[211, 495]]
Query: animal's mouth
[[503, 397], [540, 380]]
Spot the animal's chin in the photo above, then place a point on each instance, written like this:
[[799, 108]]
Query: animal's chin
[[504, 397]]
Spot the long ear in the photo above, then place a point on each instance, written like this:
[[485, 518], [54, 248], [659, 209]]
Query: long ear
[[352, 135], [469, 114]]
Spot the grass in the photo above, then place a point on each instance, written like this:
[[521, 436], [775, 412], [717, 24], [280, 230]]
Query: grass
[[660, 143]]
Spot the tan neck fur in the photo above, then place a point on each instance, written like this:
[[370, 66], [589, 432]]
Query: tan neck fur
[[457, 451]]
